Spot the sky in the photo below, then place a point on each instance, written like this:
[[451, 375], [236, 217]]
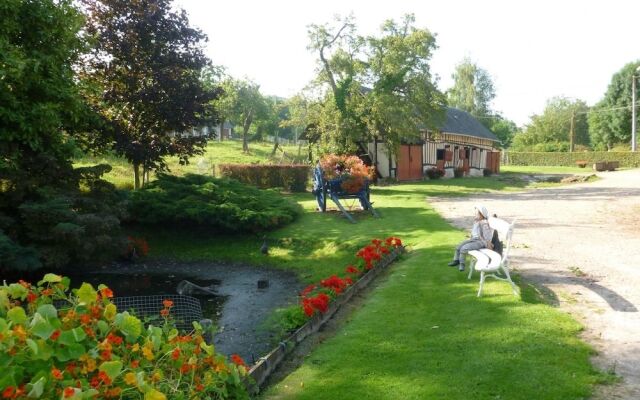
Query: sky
[[533, 50]]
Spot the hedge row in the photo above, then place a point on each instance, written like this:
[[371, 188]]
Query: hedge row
[[626, 158], [293, 178]]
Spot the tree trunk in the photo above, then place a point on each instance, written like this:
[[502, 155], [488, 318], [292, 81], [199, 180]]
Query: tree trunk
[[136, 175], [275, 145], [245, 132]]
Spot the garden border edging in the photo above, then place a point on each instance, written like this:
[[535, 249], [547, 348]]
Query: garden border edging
[[266, 365]]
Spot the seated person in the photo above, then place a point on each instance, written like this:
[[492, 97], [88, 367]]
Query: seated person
[[481, 235]]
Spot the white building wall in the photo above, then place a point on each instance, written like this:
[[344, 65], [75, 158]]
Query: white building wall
[[383, 158]]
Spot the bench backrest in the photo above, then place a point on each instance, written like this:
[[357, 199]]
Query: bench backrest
[[505, 232]]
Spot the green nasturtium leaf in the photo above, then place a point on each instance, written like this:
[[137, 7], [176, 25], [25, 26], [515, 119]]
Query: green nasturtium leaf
[[17, 291], [45, 351], [41, 327], [33, 346], [4, 301], [35, 389], [17, 315], [111, 368], [129, 325], [103, 327], [50, 278], [87, 294], [78, 334], [48, 311], [208, 348]]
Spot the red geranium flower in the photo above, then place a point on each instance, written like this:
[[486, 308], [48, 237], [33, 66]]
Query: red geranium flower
[[307, 290], [167, 303], [237, 360], [320, 302], [352, 270]]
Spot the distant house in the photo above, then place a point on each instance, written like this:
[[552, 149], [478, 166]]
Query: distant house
[[462, 142], [212, 132]]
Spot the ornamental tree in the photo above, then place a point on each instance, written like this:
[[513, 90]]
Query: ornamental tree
[[147, 62]]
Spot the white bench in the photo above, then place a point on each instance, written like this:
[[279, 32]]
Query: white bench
[[489, 262]]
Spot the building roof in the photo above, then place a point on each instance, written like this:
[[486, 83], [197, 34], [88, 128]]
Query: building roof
[[463, 123]]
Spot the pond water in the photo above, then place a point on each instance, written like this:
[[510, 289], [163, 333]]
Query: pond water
[[242, 297]]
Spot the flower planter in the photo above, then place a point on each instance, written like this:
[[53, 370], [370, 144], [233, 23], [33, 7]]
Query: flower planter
[[261, 370]]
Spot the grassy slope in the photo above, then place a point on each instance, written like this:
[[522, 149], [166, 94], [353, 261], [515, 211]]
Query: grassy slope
[[422, 333], [229, 151]]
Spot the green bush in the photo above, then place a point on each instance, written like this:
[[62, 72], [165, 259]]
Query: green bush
[[222, 204], [434, 173], [555, 159], [54, 226], [293, 177]]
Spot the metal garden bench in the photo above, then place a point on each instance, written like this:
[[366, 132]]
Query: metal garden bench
[[491, 263]]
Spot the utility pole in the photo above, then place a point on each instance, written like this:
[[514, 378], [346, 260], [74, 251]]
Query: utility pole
[[634, 143], [571, 131]]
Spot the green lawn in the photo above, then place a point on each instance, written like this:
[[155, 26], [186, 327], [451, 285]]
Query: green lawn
[[229, 151], [422, 333]]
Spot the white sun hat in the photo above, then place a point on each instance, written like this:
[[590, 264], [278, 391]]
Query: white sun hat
[[482, 210]]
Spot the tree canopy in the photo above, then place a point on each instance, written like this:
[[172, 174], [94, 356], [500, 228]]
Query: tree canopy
[[46, 219], [610, 118], [472, 89], [376, 86], [40, 104], [550, 130], [147, 62]]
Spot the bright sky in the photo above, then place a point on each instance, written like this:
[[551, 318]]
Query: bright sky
[[533, 49]]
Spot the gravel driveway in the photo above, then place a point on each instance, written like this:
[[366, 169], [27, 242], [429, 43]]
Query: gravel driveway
[[582, 242]]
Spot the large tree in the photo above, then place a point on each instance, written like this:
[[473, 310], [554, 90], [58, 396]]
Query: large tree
[[472, 89], [246, 106], [45, 218], [610, 118], [373, 86], [39, 98], [147, 61]]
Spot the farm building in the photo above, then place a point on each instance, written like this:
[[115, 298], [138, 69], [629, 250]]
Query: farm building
[[462, 142]]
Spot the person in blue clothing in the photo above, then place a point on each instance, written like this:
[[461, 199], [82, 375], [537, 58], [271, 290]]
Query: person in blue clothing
[[481, 235]]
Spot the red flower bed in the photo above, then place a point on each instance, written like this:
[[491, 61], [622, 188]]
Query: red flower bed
[[316, 298]]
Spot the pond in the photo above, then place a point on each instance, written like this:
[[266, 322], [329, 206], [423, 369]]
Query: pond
[[242, 297]]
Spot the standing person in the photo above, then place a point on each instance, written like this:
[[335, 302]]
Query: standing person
[[481, 235]]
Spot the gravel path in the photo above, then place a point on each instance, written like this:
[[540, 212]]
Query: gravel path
[[582, 242]]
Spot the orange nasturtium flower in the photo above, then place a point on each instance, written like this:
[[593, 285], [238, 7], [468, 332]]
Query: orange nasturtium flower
[[69, 392], [106, 292], [56, 373]]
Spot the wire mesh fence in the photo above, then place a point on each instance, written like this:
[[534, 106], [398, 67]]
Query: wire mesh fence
[[185, 310]]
